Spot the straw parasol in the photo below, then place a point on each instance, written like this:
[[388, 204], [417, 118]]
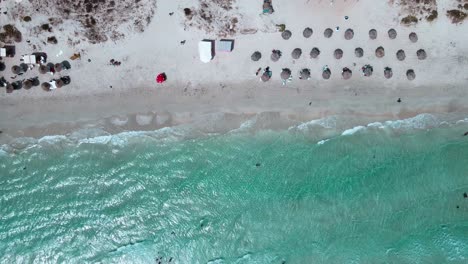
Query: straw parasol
[[58, 67], [265, 77], [286, 34], [275, 55], [367, 70], [304, 74], [43, 69], [421, 54], [285, 74], [35, 81], [16, 69], [413, 37], [27, 84], [338, 54], [346, 73], [307, 32], [326, 73], [314, 53], [359, 52], [9, 88], [328, 33], [401, 55], [256, 56], [388, 73], [24, 67], [349, 34], [17, 85], [380, 52], [2, 66], [59, 83], [65, 65], [372, 34], [296, 53], [392, 33], [410, 74], [45, 86]]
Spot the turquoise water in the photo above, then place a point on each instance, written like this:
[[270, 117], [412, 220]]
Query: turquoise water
[[379, 195]]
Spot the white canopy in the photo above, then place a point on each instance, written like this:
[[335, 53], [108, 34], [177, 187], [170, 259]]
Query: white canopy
[[205, 48], [29, 59], [2, 52]]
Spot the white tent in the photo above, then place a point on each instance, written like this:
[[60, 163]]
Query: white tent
[[205, 48], [29, 59], [2, 52]]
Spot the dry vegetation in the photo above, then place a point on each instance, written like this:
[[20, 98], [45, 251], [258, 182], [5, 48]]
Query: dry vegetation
[[458, 14], [10, 33], [100, 18], [413, 11], [213, 16]]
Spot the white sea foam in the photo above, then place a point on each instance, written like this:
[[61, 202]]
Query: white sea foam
[[352, 131], [321, 142]]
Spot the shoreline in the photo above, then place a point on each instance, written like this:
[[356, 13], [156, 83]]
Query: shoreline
[[101, 113]]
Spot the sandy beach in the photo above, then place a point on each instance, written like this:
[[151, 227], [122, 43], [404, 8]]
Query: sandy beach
[[127, 97]]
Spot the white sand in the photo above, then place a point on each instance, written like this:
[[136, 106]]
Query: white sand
[[228, 83]]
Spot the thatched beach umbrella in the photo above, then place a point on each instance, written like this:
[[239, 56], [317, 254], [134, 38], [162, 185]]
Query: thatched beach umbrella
[[2, 66], [328, 33], [367, 70], [66, 65], [265, 77], [349, 34], [372, 34], [286, 34], [35, 81], [359, 52], [304, 74], [285, 74], [401, 55], [256, 56], [43, 69], [275, 55], [307, 32], [16, 69], [27, 84], [17, 85], [413, 37], [392, 33], [59, 83], [58, 67], [410, 74], [421, 54], [296, 53], [346, 73], [314, 53], [9, 88], [24, 67], [45, 86], [326, 73], [380, 52], [338, 54], [388, 73]]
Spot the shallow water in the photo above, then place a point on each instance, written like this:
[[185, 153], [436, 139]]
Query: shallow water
[[384, 193]]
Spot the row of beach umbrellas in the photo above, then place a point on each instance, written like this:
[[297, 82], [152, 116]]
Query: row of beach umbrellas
[[346, 73], [348, 34], [29, 83], [337, 54], [43, 68], [22, 84]]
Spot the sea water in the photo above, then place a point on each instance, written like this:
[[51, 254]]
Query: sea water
[[387, 192]]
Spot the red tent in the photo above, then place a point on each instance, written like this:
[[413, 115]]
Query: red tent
[[161, 78]]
